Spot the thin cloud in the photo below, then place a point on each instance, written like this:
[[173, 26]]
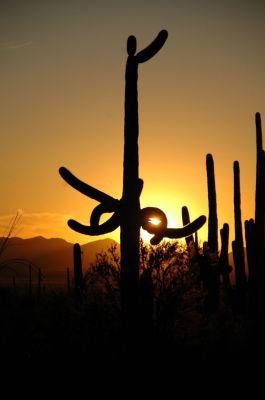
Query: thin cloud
[[32, 224], [15, 44]]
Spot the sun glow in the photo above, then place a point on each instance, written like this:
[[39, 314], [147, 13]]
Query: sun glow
[[156, 221]]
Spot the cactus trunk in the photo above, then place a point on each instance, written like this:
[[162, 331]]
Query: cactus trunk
[[39, 285], [250, 248], [260, 219], [212, 220], [30, 281], [130, 227], [78, 274], [224, 266], [130, 220], [237, 244]]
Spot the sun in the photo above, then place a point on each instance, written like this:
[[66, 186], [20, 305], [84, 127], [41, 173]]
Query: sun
[[154, 221], [146, 237]]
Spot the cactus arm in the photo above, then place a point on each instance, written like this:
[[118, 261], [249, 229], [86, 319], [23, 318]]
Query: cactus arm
[[187, 230], [108, 226], [152, 212], [86, 189], [98, 211], [153, 48], [161, 230], [185, 221]]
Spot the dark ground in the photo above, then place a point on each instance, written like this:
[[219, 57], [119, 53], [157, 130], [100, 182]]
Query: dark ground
[[56, 333]]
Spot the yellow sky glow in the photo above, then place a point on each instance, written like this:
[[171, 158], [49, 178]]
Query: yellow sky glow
[[61, 104]]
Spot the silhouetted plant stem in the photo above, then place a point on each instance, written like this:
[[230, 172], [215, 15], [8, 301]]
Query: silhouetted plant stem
[[224, 266], [250, 246], [260, 218], [237, 244], [212, 219], [39, 285], [68, 284], [78, 275], [211, 253], [185, 221], [132, 186], [250, 249], [30, 281]]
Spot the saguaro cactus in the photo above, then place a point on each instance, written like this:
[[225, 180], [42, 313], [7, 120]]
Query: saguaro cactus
[[127, 212], [255, 234], [224, 267], [78, 274], [260, 218], [212, 220], [252, 277], [132, 185], [237, 244]]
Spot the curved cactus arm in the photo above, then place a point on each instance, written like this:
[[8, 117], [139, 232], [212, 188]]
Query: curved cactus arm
[[156, 239], [147, 214], [86, 189], [153, 48], [185, 221], [108, 226], [187, 230], [98, 211], [161, 230]]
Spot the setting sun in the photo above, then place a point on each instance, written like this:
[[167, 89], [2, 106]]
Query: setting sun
[[155, 221]]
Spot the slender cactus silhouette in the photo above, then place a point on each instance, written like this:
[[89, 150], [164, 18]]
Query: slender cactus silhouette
[[259, 226], [212, 220], [78, 274], [186, 221], [224, 267], [237, 244], [127, 212]]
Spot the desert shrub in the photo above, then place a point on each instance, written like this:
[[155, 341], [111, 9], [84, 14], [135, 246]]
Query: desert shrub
[[175, 278]]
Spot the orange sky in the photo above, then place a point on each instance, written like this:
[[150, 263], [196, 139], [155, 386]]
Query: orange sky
[[62, 93]]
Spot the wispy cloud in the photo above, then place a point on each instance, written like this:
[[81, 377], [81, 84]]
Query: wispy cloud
[[48, 225], [35, 224], [15, 44]]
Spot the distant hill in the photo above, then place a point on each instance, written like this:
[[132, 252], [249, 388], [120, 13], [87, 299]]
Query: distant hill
[[53, 256]]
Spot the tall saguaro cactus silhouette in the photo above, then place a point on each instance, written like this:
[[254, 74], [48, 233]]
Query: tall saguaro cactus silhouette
[[237, 244], [127, 212], [260, 217], [212, 220]]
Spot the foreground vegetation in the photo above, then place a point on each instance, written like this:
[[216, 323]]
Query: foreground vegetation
[[175, 317]]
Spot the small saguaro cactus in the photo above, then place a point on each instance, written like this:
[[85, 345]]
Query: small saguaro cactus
[[224, 267], [78, 274]]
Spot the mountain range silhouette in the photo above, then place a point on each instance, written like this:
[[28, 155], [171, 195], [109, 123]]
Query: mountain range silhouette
[[53, 256]]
